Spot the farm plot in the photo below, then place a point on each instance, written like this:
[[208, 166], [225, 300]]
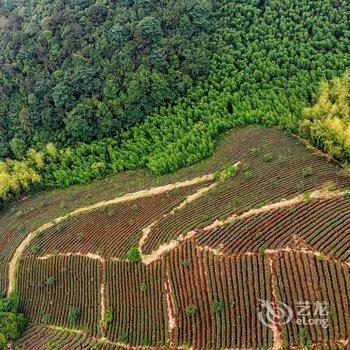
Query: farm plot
[[135, 300], [278, 168], [316, 290], [109, 232], [216, 299], [44, 338], [322, 225], [63, 291], [30, 213]]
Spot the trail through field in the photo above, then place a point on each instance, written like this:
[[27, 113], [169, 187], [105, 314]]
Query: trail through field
[[87, 255], [171, 310], [275, 325]]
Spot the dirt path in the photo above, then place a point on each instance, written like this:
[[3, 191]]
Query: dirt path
[[305, 251], [87, 255], [172, 323], [103, 300], [127, 197], [274, 324]]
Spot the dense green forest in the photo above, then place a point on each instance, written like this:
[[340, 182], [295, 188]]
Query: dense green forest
[[75, 71], [267, 60]]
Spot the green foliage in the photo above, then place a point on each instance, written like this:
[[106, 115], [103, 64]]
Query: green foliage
[[303, 338], [99, 68], [186, 263], [218, 306], [16, 177], [73, 316], [134, 254], [268, 157], [12, 324], [307, 172], [306, 195], [108, 316], [248, 175], [225, 174], [143, 287], [50, 281], [123, 338], [46, 318], [347, 195], [191, 310], [35, 249]]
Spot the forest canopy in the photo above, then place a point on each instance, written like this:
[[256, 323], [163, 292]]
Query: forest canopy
[[237, 63], [327, 122], [77, 71]]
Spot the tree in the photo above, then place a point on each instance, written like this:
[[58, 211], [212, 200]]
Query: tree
[[12, 324], [18, 147], [80, 123]]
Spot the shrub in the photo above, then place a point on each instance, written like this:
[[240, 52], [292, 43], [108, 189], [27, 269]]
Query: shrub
[[50, 281], [248, 175], [191, 310], [268, 157], [35, 249], [186, 263], [123, 338], [108, 316], [143, 287], [218, 306], [46, 318], [307, 172], [74, 315], [135, 207], [258, 235], [134, 254], [226, 173], [307, 195]]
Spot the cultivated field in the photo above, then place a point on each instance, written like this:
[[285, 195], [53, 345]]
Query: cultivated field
[[207, 251]]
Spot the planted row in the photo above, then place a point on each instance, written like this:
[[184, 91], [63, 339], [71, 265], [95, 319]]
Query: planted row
[[136, 309], [323, 225], [275, 167], [44, 338], [217, 300], [109, 232], [63, 291], [316, 291]]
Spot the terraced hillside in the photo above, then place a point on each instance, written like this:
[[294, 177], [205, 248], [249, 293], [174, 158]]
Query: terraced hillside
[[185, 261]]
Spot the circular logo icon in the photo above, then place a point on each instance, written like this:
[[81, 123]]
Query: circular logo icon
[[272, 314]]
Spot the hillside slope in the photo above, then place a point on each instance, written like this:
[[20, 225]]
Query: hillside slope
[[186, 262]]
